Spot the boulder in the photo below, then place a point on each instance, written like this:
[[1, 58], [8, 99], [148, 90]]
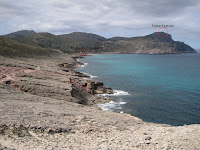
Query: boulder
[[83, 83], [65, 65], [90, 85], [108, 90], [97, 83], [99, 90]]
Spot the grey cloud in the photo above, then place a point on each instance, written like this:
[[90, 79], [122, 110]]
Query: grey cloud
[[11, 8], [106, 17], [159, 8]]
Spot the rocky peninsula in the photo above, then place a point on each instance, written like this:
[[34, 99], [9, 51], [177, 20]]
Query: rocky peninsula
[[46, 104]]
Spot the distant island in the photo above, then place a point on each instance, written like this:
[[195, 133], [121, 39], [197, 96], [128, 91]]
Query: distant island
[[92, 43]]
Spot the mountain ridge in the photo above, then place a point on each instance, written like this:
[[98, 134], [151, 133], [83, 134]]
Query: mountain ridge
[[93, 43], [19, 34]]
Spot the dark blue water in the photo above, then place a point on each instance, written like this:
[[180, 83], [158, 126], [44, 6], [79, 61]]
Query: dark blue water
[[162, 88]]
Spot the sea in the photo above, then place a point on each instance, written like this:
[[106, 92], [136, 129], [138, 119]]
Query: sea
[[156, 88]]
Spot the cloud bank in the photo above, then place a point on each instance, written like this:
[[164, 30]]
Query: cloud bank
[[106, 17]]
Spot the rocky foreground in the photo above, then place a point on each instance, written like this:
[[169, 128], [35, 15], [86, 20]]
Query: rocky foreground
[[45, 104]]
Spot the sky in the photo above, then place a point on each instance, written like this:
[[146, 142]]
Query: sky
[[108, 18]]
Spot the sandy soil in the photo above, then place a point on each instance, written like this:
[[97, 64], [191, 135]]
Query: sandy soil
[[38, 112]]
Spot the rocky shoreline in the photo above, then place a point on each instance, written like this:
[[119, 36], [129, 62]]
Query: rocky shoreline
[[46, 104]]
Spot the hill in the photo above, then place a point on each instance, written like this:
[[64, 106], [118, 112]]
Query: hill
[[80, 40], [150, 44], [92, 43], [20, 34], [67, 42], [12, 48]]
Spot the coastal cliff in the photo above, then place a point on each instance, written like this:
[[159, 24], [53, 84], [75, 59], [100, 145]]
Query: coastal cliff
[[150, 44]]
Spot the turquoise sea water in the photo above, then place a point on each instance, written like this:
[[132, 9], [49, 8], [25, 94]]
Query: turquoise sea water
[[161, 88]]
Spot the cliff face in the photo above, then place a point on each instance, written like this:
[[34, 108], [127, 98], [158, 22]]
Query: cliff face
[[70, 43], [150, 44], [184, 48]]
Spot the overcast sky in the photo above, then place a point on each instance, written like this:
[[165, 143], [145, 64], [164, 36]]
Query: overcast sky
[[107, 18]]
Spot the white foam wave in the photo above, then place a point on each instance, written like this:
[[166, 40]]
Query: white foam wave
[[116, 93], [122, 103], [111, 106], [91, 76], [84, 64], [86, 73], [119, 93]]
